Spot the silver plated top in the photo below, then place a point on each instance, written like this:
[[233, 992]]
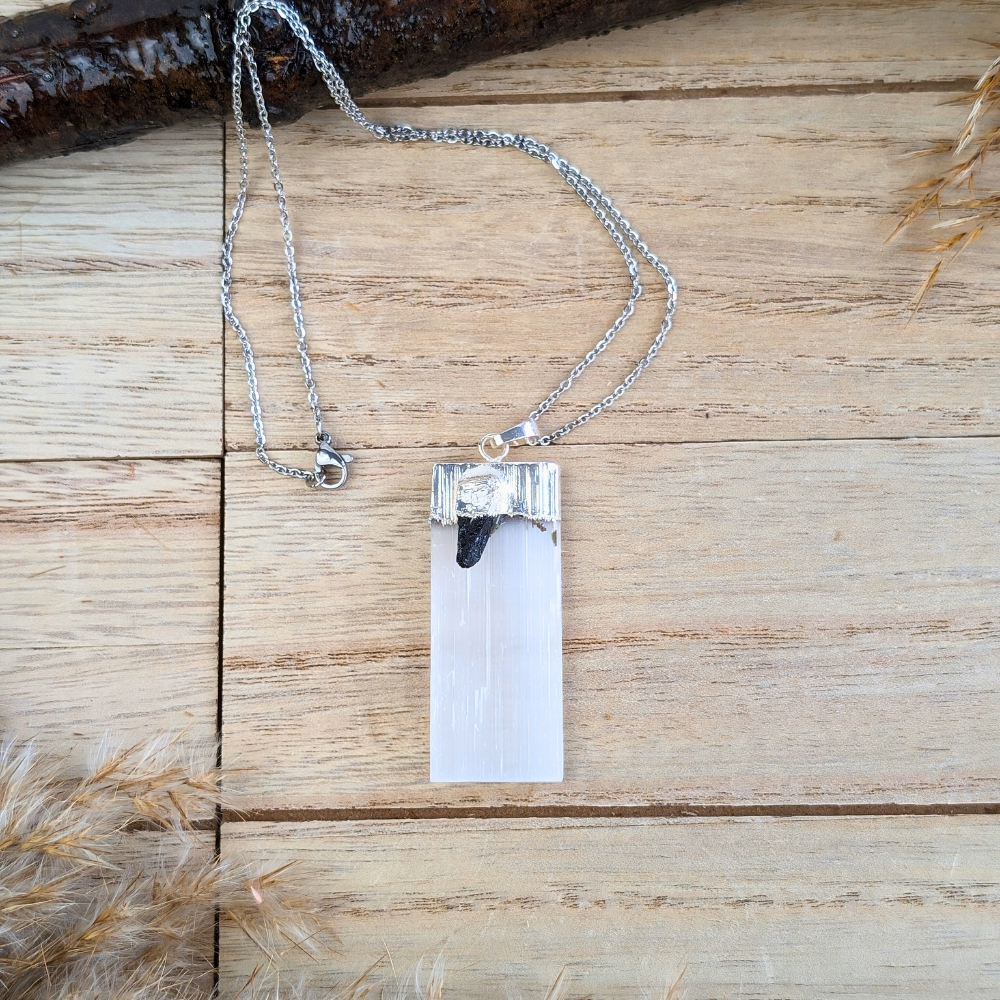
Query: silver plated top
[[512, 489]]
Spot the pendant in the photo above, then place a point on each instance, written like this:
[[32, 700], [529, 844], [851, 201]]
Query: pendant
[[496, 622]]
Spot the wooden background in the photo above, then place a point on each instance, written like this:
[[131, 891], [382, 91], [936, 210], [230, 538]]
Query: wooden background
[[781, 660]]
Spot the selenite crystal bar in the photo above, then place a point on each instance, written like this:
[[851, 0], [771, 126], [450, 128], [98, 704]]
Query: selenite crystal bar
[[496, 656]]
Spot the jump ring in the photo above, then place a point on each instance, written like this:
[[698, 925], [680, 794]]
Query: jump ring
[[491, 441]]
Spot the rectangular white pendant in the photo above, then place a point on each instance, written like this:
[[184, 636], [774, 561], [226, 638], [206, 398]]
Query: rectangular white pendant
[[496, 626]]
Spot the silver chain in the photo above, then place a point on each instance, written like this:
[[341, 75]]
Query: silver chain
[[599, 203]]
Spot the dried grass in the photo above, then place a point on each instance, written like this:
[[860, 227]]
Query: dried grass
[[962, 214], [110, 888], [91, 910]]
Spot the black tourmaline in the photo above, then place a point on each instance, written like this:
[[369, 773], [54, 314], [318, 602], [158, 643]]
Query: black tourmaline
[[473, 534]]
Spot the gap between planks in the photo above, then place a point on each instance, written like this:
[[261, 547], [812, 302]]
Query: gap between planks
[[631, 443], [218, 818], [636, 443], [958, 85], [664, 811]]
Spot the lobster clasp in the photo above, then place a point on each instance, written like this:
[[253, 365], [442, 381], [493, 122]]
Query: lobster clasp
[[331, 465]]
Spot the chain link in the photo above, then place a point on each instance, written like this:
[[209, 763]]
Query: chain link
[[599, 203]]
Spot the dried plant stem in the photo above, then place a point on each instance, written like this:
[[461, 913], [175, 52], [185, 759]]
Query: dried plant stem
[[109, 890], [951, 193]]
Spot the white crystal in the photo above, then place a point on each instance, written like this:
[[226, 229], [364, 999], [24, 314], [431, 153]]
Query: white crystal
[[483, 490], [496, 656]]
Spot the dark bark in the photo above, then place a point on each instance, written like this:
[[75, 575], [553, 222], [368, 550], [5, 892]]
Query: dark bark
[[97, 72]]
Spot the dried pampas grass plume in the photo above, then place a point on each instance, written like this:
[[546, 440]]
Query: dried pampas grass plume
[[963, 216], [111, 888], [110, 884]]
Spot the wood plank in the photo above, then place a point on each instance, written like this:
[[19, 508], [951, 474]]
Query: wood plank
[[110, 333], [794, 318], [67, 698], [767, 623], [11, 8], [110, 596], [757, 44], [897, 907], [805, 42]]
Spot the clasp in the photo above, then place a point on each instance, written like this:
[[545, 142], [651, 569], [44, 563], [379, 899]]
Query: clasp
[[327, 457], [523, 433]]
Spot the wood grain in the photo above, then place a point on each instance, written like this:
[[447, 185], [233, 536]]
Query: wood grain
[[9, 8], [110, 332], [794, 318], [110, 597], [802, 909], [744, 45], [740, 46], [770, 623], [66, 699]]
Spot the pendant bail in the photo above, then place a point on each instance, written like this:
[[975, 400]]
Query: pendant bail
[[523, 433]]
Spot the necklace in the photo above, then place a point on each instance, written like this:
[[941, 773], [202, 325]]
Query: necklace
[[496, 549]]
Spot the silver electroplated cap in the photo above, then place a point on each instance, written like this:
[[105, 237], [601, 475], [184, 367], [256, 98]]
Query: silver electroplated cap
[[512, 489]]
